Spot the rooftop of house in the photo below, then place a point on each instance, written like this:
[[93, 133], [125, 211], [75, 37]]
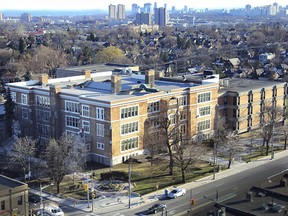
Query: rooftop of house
[[243, 85], [269, 198], [7, 183]]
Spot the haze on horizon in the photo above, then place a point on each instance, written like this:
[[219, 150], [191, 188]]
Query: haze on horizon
[[93, 4]]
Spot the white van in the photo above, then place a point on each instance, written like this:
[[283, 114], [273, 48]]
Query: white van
[[53, 209]]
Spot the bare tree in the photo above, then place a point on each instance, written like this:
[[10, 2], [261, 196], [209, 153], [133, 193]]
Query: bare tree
[[24, 149], [152, 140], [284, 131], [232, 146], [186, 153], [270, 117], [64, 156]]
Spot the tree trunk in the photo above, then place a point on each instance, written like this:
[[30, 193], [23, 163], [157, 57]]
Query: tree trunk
[[58, 187], [285, 145], [267, 148], [230, 161], [183, 175], [171, 162], [24, 175]]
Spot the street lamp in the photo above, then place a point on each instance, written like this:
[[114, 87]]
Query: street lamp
[[41, 199]]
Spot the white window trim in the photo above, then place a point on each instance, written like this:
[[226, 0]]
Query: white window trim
[[24, 97], [83, 111], [199, 113], [204, 93], [100, 110], [83, 122], [100, 146], [71, 117], [97, 130]]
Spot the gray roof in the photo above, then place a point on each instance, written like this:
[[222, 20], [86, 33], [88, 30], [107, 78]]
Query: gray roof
[[244, 85], [6, 183]]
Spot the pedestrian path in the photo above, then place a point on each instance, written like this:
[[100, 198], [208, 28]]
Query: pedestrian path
[[114, 205]]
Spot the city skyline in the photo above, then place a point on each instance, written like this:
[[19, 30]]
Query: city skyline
[[92, 4]]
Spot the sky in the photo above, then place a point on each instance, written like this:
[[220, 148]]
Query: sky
[[98, 4]]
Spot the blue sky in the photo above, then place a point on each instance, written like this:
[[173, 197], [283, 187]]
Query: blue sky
[[98, 4]]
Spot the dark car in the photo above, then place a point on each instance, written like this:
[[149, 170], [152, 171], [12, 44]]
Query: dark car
[[33, 198], [158, 207]]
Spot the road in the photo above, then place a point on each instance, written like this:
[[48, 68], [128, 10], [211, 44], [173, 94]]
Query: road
[[230, 185]]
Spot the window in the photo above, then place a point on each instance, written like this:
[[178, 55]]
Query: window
[[153, 107], [19, 200], [155, 122], [183, 115], [173, 119], [43, 130], [43, 115], [13, 96], [99, 113], [203, 125], [86, 126], [182, 101], [129, 144], [183, 129], [24, 112], [129, 112], [100, 130], [203, 111], [3, 205], [71, 106], [24, 99], [204, 97], [42, 101], [129, 128], [85, 111], [72, 121], [100, 146]]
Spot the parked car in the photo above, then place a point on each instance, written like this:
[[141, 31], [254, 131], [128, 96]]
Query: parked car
[[34, 198], [158, 207], [38, 212], [53, 209], [176, 193]]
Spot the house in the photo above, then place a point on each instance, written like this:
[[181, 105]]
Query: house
[[13, 197], [112, 109], [266, 57]]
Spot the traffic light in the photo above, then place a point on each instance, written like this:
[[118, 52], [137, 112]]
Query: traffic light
[[193, 202], [86, 186]]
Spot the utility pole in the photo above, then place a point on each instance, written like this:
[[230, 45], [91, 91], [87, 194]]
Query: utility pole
[[214, 160], [272, 143], [129, 182]]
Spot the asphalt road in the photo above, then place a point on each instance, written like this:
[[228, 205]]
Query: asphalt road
[[226, 187]]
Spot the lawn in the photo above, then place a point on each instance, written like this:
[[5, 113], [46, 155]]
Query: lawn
[[144, 178]]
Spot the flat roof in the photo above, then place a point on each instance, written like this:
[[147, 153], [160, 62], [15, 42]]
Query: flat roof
[[99, 87], [242, 85], [6, 183]]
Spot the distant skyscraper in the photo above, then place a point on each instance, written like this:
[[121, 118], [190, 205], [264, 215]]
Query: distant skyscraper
[[135, 8], [143, 18], [248, 7], [112, 11], [147, 8], [26, 17], [165, 5], [173, 9], [161, 16], [185, 8], [121, 13], [1, 16], [155, 5]]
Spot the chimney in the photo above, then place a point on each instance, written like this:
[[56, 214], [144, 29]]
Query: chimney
[[116, 84], [150, 78], [87, 74], [159, 75], [43, 78]]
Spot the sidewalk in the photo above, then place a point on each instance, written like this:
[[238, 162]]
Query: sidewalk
[[113, 205]]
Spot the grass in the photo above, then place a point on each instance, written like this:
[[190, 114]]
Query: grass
[[259, 153], [150, 178]]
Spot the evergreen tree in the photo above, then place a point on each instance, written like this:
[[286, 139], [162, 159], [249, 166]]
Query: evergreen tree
[[9, 107], [22, 45], [28, 76]]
